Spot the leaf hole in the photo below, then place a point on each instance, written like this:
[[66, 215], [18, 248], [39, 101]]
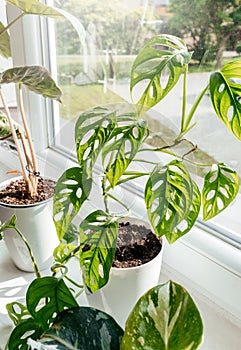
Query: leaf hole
[[210, 195], [221, 88], [70, 182], [101, 270], [79, 193], [230, 113], [27, 334], [157, 185], [86, 137], [87, 153], [42, 303], [220, 204], [58, 216], [139, 89], [182, 226], [66, 191], [224, 191]]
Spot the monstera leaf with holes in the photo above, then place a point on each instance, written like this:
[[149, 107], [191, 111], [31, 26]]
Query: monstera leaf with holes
[[98, 235], [157, 69], [71, 191], [172, 200], [225, 92], [164, 318], [221, 185], [45, 298], [122, 148], [92, 130]]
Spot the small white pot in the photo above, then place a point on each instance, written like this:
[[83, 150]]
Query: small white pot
[[126, 286], [36, 224]]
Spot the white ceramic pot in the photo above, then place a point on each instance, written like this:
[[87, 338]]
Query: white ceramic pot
[[126, 286], [36, 224]]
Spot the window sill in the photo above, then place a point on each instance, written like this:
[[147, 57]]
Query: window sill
[[206, 266]]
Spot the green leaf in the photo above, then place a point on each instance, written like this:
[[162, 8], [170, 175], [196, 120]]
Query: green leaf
[[34, 7], [225, 92], [17, 312], [47, 296], [71, 191], [20, 334], [164, 318], [120, 151], [98, 235], [9, 224], [62, 251], [84, 328], [36, 78], [93, 128], [221, 185], [5, 50], [157, 68], [172, 200]]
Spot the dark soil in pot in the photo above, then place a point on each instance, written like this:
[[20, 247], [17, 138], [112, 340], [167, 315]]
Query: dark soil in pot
[[16, 192], [136, 245]]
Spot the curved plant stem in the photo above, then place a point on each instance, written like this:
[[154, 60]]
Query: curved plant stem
[[35, 266], [33, 164], [11, 23], [14, 135], [120, 202]]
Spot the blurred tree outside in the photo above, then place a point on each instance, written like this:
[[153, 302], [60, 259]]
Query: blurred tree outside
[[209, 27]]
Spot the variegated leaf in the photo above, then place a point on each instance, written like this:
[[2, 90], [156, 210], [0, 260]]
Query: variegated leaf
[[225, 92], [164, 318], [221, 185], [71, 191], [157, 68], [34, 7], [5, 50], [122, 148], [36, 78], [98, 235], [172, 200], [92, 130], [82, 328]]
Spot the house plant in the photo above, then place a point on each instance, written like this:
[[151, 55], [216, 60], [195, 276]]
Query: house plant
[[165, 316], [28, 199], [109, 142]]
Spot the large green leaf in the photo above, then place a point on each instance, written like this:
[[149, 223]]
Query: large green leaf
[[84, 328], [120, 151], [36, 78], [71, 191], [45, 298], [98, 235], [172, 200], [225, 92], [93, 128], [5, 50], [157, 68], [221, 185], [164, 318]]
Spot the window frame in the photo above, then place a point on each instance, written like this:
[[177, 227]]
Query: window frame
[[210, 262]]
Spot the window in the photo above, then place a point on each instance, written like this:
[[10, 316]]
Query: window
[[98, 74]]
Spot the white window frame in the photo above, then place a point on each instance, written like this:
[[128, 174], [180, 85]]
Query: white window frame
[[210, 264]]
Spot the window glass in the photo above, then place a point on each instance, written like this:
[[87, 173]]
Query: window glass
[[98, 74]]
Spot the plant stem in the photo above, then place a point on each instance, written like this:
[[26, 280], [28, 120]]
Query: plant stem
[[33, 178], [11, 23], [104, 192], [120, 202], [35, 266], [14, 135], [184, 98]]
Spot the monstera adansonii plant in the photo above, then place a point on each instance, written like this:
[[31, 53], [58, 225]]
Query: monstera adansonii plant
[[110, 143]]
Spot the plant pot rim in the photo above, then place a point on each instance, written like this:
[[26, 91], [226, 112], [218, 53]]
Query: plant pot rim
[[22, 206]]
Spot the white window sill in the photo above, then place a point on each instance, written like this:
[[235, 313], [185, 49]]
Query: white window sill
[[205, 265]]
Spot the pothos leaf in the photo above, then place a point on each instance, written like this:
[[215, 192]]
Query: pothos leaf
[[98, 235], [71, 191], [36, 78], [93, 128], [172, 200], [221, 186], [5, 50], [164, 318], [122, 148], [83, 328], [225, 92], [158, 66]]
